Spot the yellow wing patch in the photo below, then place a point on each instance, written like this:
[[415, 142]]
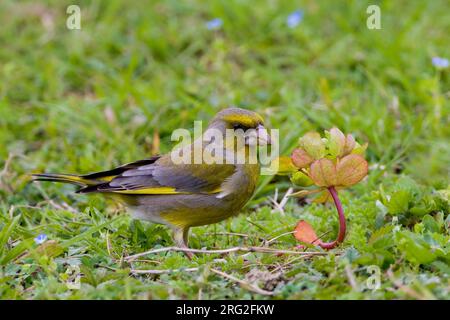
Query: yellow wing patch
[[106, 179], [156, 191], [162, 190]]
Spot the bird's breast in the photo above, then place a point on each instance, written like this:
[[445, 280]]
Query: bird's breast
[[242, 183]]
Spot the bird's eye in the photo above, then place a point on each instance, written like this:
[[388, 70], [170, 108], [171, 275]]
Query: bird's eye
[[237, 126]]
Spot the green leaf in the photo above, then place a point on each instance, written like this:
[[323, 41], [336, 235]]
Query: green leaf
[[336, 142], [282, 166], [304, 193], [89, 232], [17, 250], [312, 143], [359, 149], [50, 248], [443, 267], [430, 224], [351, 254], [415, 248], [6, 232], [300, 179], [379, 257], [323, 197], [382, 238], [399, 202]]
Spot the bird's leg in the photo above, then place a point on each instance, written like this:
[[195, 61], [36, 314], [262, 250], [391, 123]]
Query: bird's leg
[[180, 236]]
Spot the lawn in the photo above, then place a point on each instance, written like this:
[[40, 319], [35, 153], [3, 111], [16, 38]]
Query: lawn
[[79, 101]]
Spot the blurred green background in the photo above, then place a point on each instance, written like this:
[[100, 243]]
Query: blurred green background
[[77, 101]]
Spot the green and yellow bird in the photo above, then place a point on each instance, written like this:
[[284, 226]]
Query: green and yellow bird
[[182, 195]]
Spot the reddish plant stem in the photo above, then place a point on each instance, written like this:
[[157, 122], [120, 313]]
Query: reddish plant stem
[[342, 224]]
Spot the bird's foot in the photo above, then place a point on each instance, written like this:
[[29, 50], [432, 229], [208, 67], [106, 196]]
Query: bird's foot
[[189, 254], [180, 236]]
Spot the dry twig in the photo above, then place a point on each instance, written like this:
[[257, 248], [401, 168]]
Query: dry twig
[[351, 277], [407, 290], [280, 206], [244, 284], [162, 271], [229, 250]]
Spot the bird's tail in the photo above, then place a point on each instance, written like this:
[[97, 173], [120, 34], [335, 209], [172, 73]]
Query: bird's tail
[[65, 178]]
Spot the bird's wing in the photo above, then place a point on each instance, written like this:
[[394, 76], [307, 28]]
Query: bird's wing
[[111, 174], [162, 176]]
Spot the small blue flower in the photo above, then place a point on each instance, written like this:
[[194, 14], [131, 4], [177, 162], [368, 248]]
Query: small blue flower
[[40, 239], [439, 62], [214, 24], [294, 18]]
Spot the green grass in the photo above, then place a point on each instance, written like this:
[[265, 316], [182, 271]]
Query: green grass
[[82, 101]]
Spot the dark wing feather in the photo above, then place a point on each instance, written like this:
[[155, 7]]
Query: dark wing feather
[[164, 177], [119, 170]]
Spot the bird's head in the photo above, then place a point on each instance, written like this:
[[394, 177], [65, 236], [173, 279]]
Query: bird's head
[[251, 123]]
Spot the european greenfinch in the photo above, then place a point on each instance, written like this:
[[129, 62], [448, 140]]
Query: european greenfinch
[[184, 195]]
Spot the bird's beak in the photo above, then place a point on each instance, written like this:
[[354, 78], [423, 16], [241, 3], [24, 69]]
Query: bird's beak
[[263, 136]]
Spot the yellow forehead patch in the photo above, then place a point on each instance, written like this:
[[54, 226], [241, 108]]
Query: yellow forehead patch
[[246, 120]]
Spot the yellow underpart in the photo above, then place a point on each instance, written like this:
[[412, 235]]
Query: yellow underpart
[[187, 217]]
